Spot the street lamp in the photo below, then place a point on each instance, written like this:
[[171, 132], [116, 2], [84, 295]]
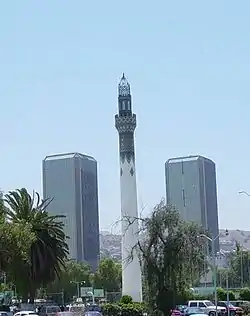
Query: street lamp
[[212, 240], [93, 297], [244, 192], [241, 254], [227, 279], [78, 286]]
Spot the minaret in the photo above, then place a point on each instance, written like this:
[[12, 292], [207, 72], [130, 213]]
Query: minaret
[[125, 123]]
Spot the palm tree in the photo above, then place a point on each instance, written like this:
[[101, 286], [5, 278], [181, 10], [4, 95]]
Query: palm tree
[[48, 251]]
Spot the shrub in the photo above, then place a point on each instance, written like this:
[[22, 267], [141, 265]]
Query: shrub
[[128, 309], [232, 296], [126, 299], [221, 294], [245, 294], [111, 309]]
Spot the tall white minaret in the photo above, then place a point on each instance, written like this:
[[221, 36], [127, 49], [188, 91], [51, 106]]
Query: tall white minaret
[[125, 123]]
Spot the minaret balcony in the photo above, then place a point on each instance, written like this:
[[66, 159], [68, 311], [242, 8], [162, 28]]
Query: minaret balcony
[[125, 124]]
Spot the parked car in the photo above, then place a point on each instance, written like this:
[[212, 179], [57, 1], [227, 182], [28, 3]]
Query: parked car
[[174, 312], [49, 310], [65, 314], [181, 308], [208, 307], [93, 308], [26, 313], [194, 311], [231, 309], [244, 305]]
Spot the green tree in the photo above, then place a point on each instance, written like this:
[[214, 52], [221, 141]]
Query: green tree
[[73, 272], [15, 242], [48, 250], [222, 295], [239, 269], [171, 255], [245, 294], [108, 275]]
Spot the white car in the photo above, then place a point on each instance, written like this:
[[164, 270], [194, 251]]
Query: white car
[[208, 307], [26, 313]]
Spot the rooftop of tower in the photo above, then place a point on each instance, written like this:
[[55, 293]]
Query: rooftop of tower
[[123, 87], [187, 158], [68, 156]]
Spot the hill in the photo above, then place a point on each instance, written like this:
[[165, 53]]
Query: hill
[[110, 244]]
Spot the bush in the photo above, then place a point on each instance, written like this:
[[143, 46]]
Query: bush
[[232, 296], [126, 299], [127, 309], [245, 294], [221, 294], [130, 310], [111, 309]]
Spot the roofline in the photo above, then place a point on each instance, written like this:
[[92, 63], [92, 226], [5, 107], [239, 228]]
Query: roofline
[[190, 157], [72, 154]]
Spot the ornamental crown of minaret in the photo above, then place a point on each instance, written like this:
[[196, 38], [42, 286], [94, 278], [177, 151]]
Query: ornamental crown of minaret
[[123, 87]]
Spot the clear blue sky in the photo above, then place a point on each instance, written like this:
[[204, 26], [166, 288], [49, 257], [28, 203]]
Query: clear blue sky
[[188, 65]]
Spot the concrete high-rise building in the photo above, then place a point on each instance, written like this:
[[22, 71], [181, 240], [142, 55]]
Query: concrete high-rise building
[[70, 180], [191, 188], [125, 123]]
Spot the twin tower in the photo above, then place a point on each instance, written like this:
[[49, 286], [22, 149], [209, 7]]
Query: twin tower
[[125, 123]]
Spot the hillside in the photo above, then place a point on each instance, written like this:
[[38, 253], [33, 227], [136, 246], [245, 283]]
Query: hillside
[[110, 244]]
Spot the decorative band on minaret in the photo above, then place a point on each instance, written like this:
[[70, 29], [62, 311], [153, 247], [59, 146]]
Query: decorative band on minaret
[[125, 123]]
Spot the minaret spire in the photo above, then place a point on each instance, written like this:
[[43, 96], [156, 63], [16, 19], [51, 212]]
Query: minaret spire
[[124, 97], [125, 123]]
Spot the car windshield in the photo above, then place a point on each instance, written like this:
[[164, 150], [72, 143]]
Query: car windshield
[[76, 309], [93, 308], [230, 305], [208, 303], [53, 309], [93, 313]]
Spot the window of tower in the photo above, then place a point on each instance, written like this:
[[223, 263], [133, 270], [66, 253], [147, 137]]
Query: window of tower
[[128, 105], [123, 105]]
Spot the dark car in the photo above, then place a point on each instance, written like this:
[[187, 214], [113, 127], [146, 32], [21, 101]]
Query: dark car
[[93, 310], [231, 309], [49, 310]]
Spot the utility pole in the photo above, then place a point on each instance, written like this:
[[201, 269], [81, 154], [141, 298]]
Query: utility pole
[[241, 269], [4, 278], [62, 296], [78, 286]]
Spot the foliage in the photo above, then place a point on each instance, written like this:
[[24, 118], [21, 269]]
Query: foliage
[[48, 250], [130, 309], [171, 256], [111, 309], [246, 307], [126, 299], [108, 275], [238, 271], [72, 272], [245, 294], [15, 242], [222, 295]]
